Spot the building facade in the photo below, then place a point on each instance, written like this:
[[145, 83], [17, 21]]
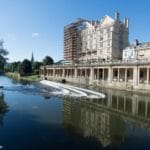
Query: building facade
[[72, 42], [137, 51], [104, 46], [96, 40]]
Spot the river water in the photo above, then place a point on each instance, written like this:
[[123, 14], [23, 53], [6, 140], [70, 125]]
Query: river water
[[33, 119]]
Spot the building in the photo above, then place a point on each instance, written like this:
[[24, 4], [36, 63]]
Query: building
[[137, 51], [96, 40], [72, 42], [102, 44]]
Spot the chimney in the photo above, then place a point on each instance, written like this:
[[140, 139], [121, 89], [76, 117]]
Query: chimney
[[126, 22], [136, 42], [117, 16]]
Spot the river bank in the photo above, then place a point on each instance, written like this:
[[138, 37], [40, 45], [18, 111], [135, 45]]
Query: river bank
[[17, 76]]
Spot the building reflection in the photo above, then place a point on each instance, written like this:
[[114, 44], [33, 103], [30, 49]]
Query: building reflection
[[3, 108], [106, 119]]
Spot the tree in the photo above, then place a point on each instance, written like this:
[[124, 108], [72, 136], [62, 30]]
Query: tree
[[48, 60], [3, 54], [25, 67], [15, 66], [36, 66]]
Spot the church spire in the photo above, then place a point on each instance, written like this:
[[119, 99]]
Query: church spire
[[32, 58]]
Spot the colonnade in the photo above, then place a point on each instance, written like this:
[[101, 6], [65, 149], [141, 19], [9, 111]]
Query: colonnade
[[124, 74]]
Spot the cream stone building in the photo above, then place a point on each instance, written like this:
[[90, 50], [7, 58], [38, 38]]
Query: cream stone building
[[105, 39], [96, 40], [137, 51]]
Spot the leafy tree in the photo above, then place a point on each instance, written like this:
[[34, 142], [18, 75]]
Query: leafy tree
[[3, 54], [15, 66], [25, 67], [35, 67], [48, 60]]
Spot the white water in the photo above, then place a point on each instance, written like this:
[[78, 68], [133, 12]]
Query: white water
[[73, 91]]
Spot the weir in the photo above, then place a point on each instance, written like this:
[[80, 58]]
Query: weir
[[73, 91]]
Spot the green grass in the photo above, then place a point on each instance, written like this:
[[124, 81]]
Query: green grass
[[15, 75]]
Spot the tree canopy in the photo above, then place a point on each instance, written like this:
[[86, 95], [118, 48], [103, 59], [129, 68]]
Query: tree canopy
[[3, 59], [48, 60], [25, 67]]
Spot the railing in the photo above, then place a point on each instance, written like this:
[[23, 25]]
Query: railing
[[103, 63]]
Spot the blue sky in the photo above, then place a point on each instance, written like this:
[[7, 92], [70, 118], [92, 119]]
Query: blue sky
[[37, 25]]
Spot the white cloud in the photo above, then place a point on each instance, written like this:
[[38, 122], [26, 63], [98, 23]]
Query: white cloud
[[35, 34]]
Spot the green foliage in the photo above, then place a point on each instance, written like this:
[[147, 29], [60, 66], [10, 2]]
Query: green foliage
[[3, 59], [15, 66], [48, 60], [36, 65], [25, 68]]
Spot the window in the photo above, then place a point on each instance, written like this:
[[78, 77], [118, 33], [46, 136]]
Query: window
[[108, 43], [101, 32], [101, 38], [101, 45], [108, 50], [125, 54], [108, 30]]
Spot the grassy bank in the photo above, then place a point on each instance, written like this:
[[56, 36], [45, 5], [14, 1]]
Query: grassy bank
[[17, 76]]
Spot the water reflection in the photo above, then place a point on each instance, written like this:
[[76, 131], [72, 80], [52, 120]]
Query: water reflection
[[107, 120], [3, 108]]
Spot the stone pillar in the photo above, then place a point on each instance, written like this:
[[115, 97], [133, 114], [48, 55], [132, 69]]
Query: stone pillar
[[67, 72], [91, 74], [138, 76], [98, 74], [63, 73], [94, 74], [135, 76], [75, 73], [54, 72], [125, 75], [85, 75], [147, 76], [110, 74], [118, 74], [103, 74]]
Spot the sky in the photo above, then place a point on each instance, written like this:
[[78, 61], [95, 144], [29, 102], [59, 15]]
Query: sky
[[36, 26]]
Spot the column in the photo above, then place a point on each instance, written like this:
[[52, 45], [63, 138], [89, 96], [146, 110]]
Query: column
[[91, 74], [54, 72], [75, 73], [138, 76], [98, 74], [103, 74], [147, 76], [63, 73], [85, 73], [118, 74], [125, 75], [135, 75], [110, 74]]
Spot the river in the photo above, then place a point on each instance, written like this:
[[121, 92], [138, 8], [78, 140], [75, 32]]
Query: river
[[33, 119]]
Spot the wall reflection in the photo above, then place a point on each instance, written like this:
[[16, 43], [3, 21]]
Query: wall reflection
[[3, 108], [106, 119]]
